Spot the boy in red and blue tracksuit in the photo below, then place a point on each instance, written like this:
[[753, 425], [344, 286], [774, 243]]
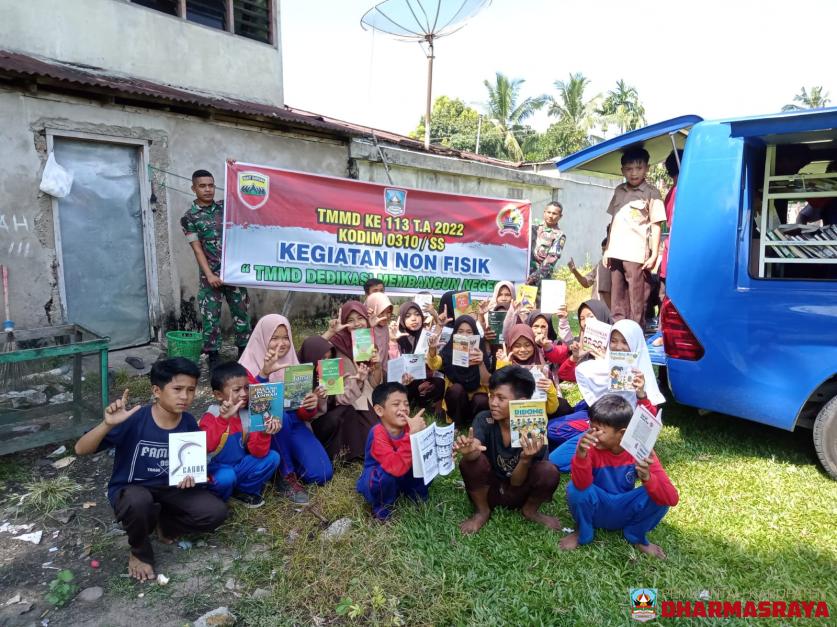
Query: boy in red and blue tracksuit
[[388, 464], [240, 461], [602, 492]]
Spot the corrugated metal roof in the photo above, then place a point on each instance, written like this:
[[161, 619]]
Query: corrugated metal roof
[[17, 64]]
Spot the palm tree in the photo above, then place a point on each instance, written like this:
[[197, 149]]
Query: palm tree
[[623, 108], [508, 114], [570, 107], [817, 99]]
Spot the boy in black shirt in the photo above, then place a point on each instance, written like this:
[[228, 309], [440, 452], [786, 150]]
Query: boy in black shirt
[[139, 488], [496, 474]]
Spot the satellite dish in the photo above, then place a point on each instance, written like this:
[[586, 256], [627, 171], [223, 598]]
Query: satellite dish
[[422, 21]]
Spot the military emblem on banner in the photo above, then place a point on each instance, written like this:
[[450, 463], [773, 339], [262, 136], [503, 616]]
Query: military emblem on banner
[[510, 220], [643, 604], [395, 201], [253, 189]]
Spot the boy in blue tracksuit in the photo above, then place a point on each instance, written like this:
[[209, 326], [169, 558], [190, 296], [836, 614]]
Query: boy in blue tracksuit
[[240, 461], [388, 464], [602, 493]]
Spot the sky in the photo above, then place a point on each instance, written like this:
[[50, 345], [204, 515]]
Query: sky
[[712, 58]]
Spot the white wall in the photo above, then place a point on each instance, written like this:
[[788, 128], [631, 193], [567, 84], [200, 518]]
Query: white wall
[[130, 39]]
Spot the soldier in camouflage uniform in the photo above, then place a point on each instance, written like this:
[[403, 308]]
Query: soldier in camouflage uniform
[[547, 244], [202, 225]]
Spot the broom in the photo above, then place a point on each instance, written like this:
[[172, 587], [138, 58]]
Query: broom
[[10, 373]]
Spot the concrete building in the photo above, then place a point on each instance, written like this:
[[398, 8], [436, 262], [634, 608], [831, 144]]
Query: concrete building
[[134, 125]]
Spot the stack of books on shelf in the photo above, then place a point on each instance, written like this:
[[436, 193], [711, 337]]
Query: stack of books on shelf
[[794, 233]]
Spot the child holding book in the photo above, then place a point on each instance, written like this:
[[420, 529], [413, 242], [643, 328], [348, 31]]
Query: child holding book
[[241, 461], [495, 473], [502, 297], [388, 462], [602, 493], [410, 327], [353, 416], [466, 392], [380, 308], [597, 310], [594, 382], [139, 490], [524, 351], [302, 458]]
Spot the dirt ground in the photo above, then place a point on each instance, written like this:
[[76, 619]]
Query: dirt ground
[[84, 533]]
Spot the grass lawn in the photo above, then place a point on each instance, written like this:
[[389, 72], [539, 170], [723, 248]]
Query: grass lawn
[[756, 521]]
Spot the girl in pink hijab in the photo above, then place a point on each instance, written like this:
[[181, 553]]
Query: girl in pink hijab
[[380, 310], [301, 456]]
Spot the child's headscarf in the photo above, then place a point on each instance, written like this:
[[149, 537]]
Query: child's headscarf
[[599, 309], [468, 377], [493, 303], [407, 344], [253, 356], [343, 341], [446, 304], [379, 302], [550, 330], [593, 376], [523, 331]]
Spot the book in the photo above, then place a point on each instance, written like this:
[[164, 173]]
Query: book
[[462, 345], [621, 367], [596, 336], [495, 321], [461, 304], [267, 400], [362, 345], [330, 375], [444, 338], [641, 434], [432, 450], [526, 294], [187, 456], [538, 375], [527, 417], [553, 295], [299, 381], [422, 343], [406, 364]]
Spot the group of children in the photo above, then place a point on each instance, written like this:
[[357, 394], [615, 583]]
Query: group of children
[[371, 419]]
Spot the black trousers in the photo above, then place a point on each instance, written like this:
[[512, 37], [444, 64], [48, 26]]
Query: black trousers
[[173, 511]]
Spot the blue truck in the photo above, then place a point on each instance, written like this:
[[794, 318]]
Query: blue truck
[[750, 317]]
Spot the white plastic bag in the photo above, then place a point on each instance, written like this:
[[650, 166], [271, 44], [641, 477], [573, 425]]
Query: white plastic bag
[[56, 181]]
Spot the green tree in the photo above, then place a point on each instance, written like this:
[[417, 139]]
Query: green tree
[[561, 139], [454, 124], [572, 110], [507, 113], [622, 107], [816, 99]]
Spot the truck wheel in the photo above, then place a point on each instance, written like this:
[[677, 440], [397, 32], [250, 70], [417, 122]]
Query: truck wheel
[[825, 437]]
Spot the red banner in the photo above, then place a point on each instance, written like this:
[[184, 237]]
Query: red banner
[[296, 231]]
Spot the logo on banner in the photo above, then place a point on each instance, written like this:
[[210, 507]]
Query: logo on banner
[[253, 189], [643, 604], [395, 201], [510, 220]]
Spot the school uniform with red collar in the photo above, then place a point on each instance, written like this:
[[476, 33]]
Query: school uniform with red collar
[[238, 460], [388, 471], [602, 495]]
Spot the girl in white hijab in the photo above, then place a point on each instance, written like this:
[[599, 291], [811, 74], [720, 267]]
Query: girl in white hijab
[[593, 378]]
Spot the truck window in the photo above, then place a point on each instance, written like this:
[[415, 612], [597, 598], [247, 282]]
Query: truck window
[[794, 208]]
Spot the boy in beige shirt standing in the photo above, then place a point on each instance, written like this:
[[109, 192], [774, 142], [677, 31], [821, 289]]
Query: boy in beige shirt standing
[[637, 213]]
